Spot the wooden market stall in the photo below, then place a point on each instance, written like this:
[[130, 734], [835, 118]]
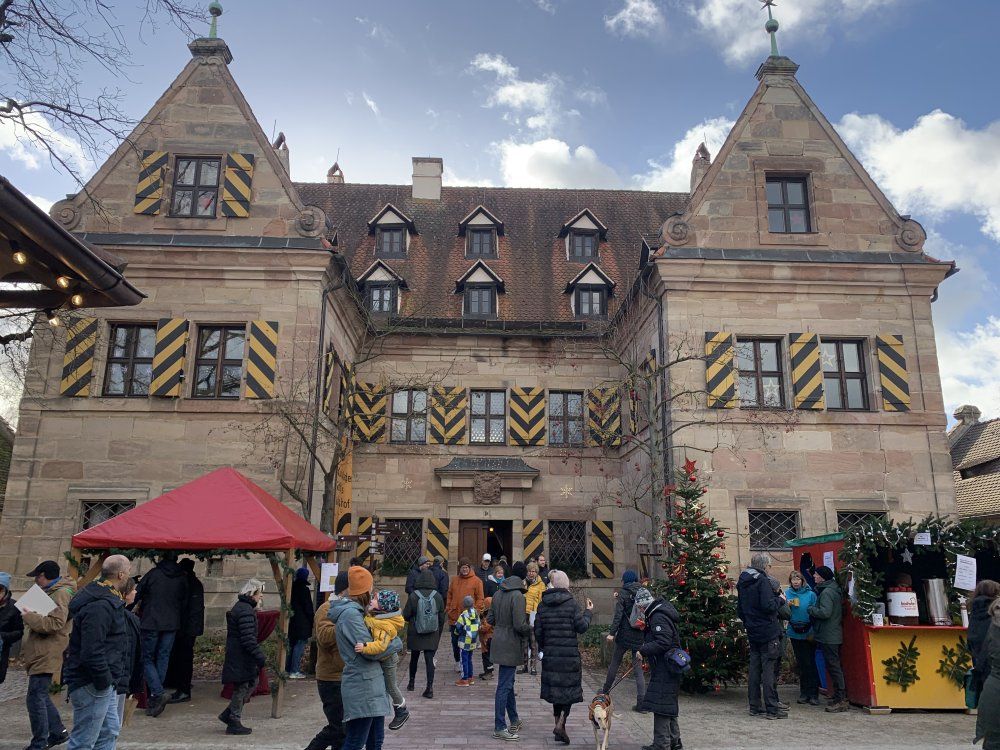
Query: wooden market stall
[[221, 513], [917, 657]]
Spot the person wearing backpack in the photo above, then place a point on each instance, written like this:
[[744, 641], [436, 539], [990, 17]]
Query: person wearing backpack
[[626, 635], [425, 614]]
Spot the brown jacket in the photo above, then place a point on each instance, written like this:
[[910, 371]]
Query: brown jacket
[[46, 638], [329, 665], [461, 587]]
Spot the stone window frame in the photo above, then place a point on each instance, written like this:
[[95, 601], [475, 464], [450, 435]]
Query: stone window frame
[[130, 360], [866, 372], [832, 506], [759, 373], [409, 416], [784, 180], [798, 166], [565, 419], [196, 186], [220, 361], [786, 511], [580, 528], [411, 547], [488, 416]]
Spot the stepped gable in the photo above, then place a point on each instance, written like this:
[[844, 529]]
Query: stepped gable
[[532, 258]]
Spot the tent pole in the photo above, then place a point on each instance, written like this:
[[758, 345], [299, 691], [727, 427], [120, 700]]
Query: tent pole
[[92, 572], [75, 554], [313, 564], [284, 582]]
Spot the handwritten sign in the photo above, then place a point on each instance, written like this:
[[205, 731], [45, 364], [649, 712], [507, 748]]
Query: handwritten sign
[[923, 538], [328, 576], [828, 559], [965, 572]]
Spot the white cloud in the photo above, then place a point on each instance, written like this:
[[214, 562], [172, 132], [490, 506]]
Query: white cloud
[[451, 179], [675, 175], [376, 31], [936, 167], [494, 64], [537, 99], [43, 203], [370, 103], [26, 142], [738, 25], [637, 18], [547, 5], [591, 95], [551, 163], [969, 367]]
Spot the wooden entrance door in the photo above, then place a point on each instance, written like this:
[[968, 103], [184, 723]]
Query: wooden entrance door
[[472, 539]]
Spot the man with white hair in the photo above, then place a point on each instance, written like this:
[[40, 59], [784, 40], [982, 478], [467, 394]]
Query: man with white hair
[[757, 606], [95, 657]]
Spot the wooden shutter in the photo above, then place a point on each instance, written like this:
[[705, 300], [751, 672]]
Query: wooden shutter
[[602, 549], [329, 378], [807, 371], [149, 188], [168, 357], [527, 416], [604, 417], [262, 359], [448, 415], [370, 401], [720, 370], [533, 538], [78, 361], [437, 537], [892, 372], [364, 548], [236, 184]]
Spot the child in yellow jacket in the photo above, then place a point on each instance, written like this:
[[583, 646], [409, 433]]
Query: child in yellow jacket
[[385, 621]]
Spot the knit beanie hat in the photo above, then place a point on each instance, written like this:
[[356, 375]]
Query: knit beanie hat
[[464, 561], [519, 569], [302, 574], [630, 576], [824, 572], [643, 597], [388, 600], [340, 584], [359, 581], [5, 580]]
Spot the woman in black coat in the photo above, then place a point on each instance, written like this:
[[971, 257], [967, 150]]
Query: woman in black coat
[[11, 624], [424, 590], [979, 624], [664, 678], [558, 623], [244, 656], [301, 625]]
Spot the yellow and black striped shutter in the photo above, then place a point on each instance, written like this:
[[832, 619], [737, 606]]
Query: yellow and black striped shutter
[[437, 537], [807, 371], [720, 373], [448, 415], [892, 372], [236, 185], [370, 402], [262, 359], [329, 378], [364, 548], [149, 188], [346, 405], [533, 538], [527, 416], [78, 361], [602, 549], [604, 417], [343, 526], [168, 357]]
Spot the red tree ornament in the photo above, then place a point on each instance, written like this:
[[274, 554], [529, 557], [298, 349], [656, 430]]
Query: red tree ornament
[[689, 466]]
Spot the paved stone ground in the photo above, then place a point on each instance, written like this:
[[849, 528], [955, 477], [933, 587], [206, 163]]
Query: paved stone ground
[[462, 718]]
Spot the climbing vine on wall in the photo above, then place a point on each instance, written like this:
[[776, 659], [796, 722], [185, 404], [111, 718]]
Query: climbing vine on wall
[[901, 669]]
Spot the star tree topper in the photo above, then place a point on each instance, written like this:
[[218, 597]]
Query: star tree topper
[[689, 467]]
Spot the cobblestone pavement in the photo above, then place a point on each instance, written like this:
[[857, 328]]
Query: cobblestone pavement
[[463, 718]]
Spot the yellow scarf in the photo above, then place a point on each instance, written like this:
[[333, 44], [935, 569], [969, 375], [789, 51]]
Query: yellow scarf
[[111, 586]]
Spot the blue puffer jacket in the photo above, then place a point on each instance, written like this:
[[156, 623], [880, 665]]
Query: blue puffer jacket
[[800, 611], [362, 686]]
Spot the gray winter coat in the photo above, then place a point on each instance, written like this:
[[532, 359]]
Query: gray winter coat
[[828, 613], [362, 686], [509, 619]]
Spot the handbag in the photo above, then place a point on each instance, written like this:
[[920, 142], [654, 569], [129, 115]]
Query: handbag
[[680, 659], [801, 627]]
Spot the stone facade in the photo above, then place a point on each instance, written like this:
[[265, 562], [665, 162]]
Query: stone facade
[[859, 273]]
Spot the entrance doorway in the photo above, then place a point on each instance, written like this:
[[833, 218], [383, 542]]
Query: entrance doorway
[[478, 537]]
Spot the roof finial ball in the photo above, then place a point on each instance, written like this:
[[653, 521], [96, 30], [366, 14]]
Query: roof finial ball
[[215, 9], [771, 26]]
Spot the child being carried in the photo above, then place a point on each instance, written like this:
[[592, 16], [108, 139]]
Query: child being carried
[[385, 621]]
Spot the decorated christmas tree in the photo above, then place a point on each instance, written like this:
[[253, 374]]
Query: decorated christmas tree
[[698, 584]]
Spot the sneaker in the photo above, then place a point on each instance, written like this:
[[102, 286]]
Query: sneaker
[[516, 726], [756, 712], [838, 708], [179, 696], [58, 739], [779, 715], [782, 706], [235, 727], [296, 676], [506, 734], [639, 709], [428, 693], [813, 701], [462, 682], [402, 714], [486, 675]]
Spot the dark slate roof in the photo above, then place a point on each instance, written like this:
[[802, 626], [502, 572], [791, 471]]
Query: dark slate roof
[[532, 258], [500, 464], [979, 444]]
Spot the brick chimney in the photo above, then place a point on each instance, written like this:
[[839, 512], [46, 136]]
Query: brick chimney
[[335, 174], [427, 171], [967, 416], [702, 161]]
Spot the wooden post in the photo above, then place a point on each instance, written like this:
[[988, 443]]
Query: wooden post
[[92, 572], [314, 566], [284, 582]]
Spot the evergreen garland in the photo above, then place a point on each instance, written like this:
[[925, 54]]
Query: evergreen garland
[[955, 662], [698, 585], [901, 669]]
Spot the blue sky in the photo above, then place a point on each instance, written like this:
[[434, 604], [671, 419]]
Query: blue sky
[[618, 93]]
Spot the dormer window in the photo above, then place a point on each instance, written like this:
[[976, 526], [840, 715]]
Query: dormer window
[[480, 229], [480, 301], [582, 245], [392, 229], [481, 243], [196, 187], [583, 234], [391, 242], [381, 297], [787, 204], [379, 289], [591, 301]]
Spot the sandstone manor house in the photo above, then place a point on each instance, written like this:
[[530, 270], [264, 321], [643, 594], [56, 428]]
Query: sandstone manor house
[[500, 370]]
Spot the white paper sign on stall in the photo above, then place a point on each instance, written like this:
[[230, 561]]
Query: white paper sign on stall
[[328, 576], [828, 559], [965, 572], [923, 538]]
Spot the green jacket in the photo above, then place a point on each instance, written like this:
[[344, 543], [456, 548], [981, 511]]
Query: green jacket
[[828, 613]]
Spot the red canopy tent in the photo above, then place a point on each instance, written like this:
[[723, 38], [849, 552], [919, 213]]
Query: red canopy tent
[[222, 510]]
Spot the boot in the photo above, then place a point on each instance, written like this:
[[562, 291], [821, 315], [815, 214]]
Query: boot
[[676, 744], [402, 714], [429, 692], [409, 686], [224, 716], [235, 727], [560, 730]]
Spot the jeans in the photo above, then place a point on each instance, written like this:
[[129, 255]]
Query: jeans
[[95, 718], [428, 662], [42, 713], [332, 735], [241, 694], [805, 658], [505, 703], [763, 659], [156, 646], [831, 655], [391, 686], [615, 665], [666, 732], [294, 661], [365, 733], [466, 665]]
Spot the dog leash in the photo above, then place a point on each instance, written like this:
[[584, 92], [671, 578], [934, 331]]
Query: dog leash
[[625, 674]]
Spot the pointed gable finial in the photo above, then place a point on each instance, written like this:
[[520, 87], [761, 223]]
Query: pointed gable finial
[[215, 10], [771, 26]]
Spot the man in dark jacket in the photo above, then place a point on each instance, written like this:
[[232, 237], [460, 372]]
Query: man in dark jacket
[[162, 596], [300, 626], [94, 660], [757, 606], [180, 670], [423, 563], [509, 618], [626, 638], [828, 615], [11, 624], [440, 575], [485, 569], [660, 637]]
